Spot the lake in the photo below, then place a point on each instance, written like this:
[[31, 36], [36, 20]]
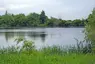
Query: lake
[[42, 36]]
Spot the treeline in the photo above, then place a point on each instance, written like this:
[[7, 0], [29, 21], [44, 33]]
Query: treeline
[[37, 20]]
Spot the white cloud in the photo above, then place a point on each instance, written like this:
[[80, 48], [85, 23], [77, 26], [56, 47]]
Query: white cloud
[[66, 9], [2, 9], [16, 6]]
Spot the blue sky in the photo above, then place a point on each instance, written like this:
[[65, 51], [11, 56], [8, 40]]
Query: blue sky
[[65, 9]]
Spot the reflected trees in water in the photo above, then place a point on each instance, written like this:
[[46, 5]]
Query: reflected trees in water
[[31, 35]]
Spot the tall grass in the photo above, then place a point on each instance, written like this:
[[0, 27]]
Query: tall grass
[[27, 54], [48, 55], [41, 58]]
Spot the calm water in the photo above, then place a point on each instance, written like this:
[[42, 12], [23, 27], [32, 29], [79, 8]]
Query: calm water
[[42, 36]]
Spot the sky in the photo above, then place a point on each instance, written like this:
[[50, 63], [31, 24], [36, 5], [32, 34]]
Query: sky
[[65, 9]]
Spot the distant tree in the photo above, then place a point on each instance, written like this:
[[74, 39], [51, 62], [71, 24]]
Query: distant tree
[[6, 12], [20, 20], [33, 19], [36, 20], [68, 23], [77, 22], [62, 23], [6, 20], [42, 17], [53, 22]]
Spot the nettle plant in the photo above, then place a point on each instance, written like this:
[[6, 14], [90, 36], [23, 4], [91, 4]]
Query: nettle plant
[[27, 45]]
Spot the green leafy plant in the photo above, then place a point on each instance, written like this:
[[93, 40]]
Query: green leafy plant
[[27, 46]]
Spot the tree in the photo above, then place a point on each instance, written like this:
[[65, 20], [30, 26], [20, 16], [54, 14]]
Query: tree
[[42, 17], [20, 20], [68, 23], [6, 12], [36, 20], [6, 20], [53, 22], [33, 19], [90, 29], [62, 23], [77, 22]]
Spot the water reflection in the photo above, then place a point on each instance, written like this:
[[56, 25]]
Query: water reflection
[[35, 35], [31, 35], [42, 36]]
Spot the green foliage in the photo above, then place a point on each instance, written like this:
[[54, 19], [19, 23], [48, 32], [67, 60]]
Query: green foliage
[[6, 20], [52, 22], [62, 23], [90, 30], [20, 20], [8, 50], [18, 40], [27, 46], [46, 59], [48, 55], [78, 22], [53, 50], [36, 20], [42, 17], [33, 19]]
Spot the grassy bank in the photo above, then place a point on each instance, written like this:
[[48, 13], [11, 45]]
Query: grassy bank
[[27, 54], [49, 55], [39, 58]]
